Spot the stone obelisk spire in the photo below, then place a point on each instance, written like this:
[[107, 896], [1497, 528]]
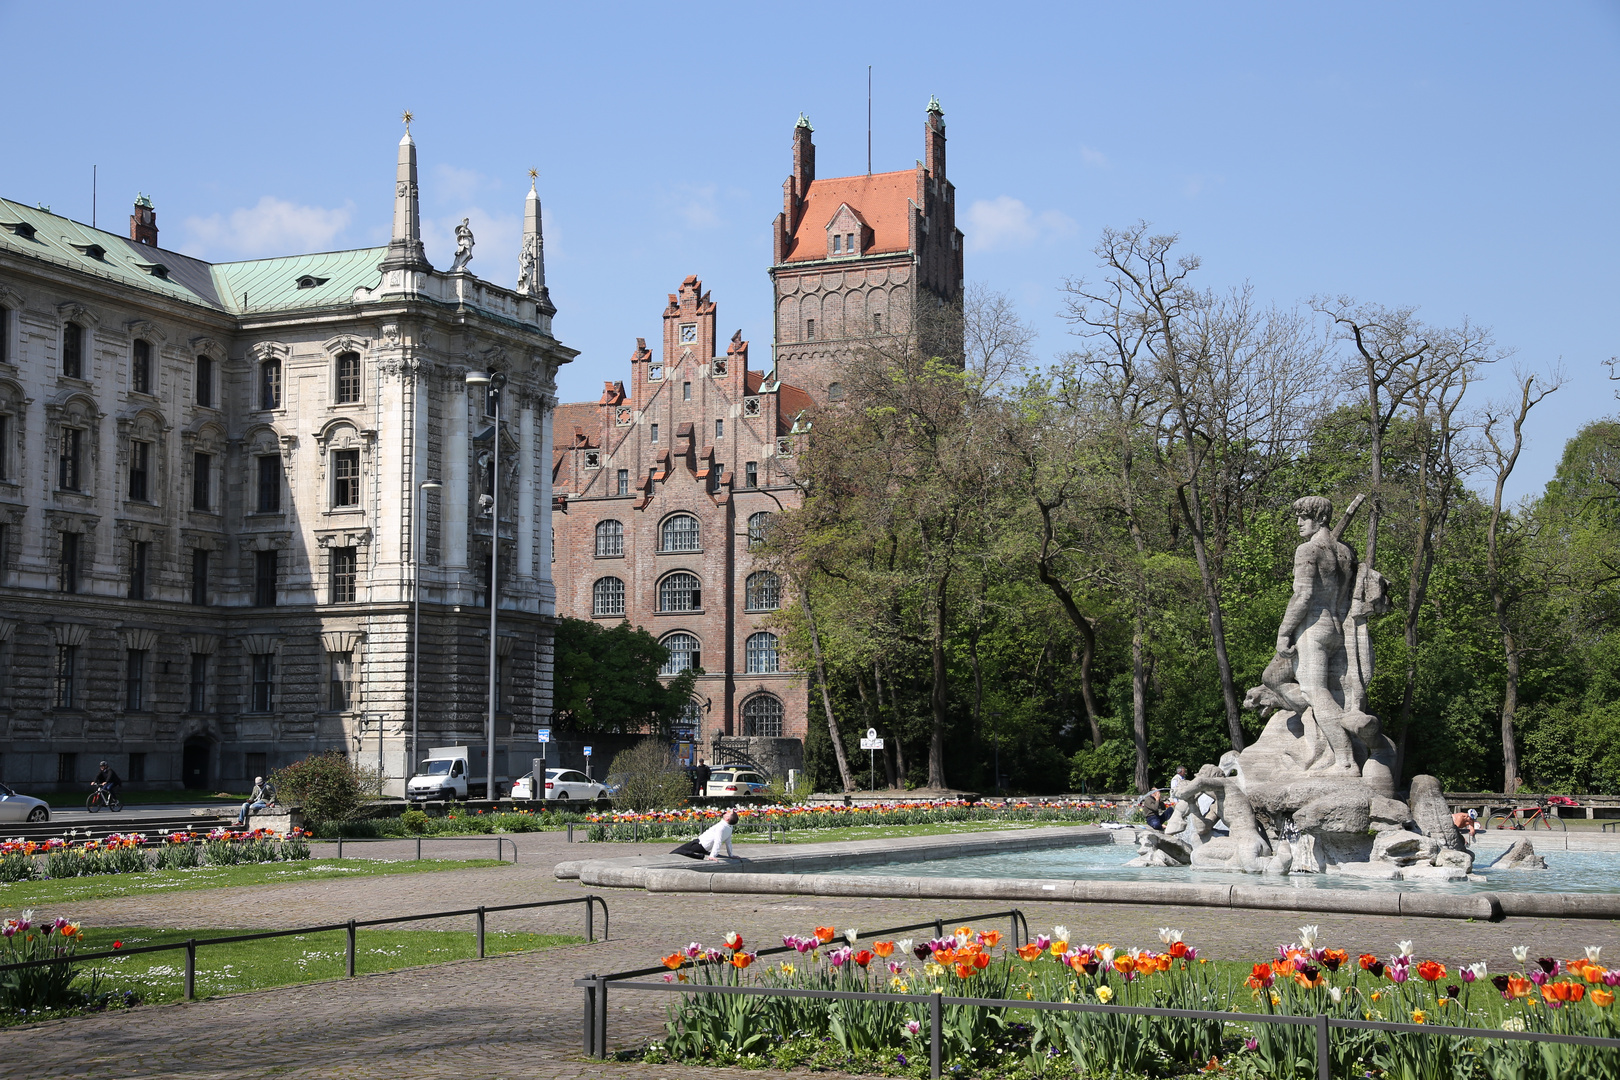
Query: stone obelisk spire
[[532, 259], [405, 246]]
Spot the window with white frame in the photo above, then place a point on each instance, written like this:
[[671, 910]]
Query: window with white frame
[[761, 654], [759, 529], [684, 654], [610, 537], [678, 533], [340, 687], [347, 378], [763, 591], [762, 716], [345, 478], [680, 591], [607, 596]]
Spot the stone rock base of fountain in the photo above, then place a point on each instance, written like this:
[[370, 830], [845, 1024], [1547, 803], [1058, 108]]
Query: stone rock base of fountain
[[1373, 871], [1521, 855]]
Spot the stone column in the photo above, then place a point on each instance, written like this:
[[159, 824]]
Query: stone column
[[453, 516], [525, 515]]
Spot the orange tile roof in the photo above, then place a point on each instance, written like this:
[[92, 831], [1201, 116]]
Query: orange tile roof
[[883, 199], [790, 402], [575, 414]]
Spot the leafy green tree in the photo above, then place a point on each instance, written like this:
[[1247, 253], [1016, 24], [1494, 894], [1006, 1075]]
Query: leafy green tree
[[606, 680]]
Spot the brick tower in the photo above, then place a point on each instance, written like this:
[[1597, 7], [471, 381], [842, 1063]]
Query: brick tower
[[852, 256]]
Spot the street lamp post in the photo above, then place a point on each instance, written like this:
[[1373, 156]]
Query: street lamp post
[[494, 383], [418, 538]]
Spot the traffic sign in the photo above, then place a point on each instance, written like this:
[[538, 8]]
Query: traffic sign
[[587, 751], [871, 742], [545, 734], [871, 733]]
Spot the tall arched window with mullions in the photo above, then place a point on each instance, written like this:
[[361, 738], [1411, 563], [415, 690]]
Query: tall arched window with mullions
[[610, 538], [763, 591], [680, 591], [679, 533], [684, 654], [759, 529], [761, 654], [762, 716], [607, 597]]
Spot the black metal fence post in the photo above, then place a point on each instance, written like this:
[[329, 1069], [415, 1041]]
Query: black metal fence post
[[939, 929], [340, 845], [601, 1018], [418, 849], [1324, 1064], [936, 1018], [191, 969], [351, 949], [590, 1016], [498, 851], [590, 918], [480, 931]]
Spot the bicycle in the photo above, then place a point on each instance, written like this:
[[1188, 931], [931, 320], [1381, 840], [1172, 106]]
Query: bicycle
[[103, 796], [1520, 818]]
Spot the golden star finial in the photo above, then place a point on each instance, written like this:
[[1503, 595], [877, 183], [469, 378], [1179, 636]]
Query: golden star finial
[[407, 116], [533, 178]]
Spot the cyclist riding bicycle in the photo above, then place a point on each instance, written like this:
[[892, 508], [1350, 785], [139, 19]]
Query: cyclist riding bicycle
[[107, 781]]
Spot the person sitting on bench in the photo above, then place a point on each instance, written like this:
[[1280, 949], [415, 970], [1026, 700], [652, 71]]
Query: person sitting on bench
[[707, 847]]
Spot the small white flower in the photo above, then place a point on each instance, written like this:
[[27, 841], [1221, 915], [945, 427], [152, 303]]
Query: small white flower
[[1059, 933], [1335, 993], [1164, 934], [1404, 948], [1593, 952], [1513, 1023], [1521, 953], [904, 945], [1478, 969], [1107, 955], [1307, 936], [852, 935]]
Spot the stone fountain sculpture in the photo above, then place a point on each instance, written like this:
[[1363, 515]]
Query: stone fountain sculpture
[[1316, 791]]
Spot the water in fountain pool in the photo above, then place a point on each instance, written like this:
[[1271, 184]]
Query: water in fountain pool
[[1569, 871]]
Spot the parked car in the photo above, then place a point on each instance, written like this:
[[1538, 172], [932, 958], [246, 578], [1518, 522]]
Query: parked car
[[15, 807], [723, 782], [568, 785]]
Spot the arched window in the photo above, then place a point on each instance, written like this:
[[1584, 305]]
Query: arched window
[[679, 533], [680, 591], [762, 715], [764, 591], [607, 597], [759, 528], [270, 383], [835, 391], [762, 654], [610, 538], [683, 654], [347, 378]]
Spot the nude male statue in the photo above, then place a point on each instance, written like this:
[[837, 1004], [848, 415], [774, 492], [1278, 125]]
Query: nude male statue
[[1311, 639]]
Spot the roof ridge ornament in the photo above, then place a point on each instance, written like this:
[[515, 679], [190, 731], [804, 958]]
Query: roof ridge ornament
[[933, 104], [804, 122]]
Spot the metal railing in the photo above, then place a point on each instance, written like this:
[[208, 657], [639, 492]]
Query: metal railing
[[500, 841], [191, 945], [596, 1012]]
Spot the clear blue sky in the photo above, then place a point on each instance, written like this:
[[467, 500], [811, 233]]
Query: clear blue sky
[[1458, 157]]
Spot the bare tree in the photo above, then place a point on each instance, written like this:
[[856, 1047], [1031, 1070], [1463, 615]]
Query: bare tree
[[1500, 537]]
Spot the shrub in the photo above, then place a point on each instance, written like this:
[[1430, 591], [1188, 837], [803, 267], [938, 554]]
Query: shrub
[[328, 786], [650, 779], [414, 821]]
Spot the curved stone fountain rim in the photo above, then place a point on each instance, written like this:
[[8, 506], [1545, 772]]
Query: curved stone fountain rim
[[791, 873]]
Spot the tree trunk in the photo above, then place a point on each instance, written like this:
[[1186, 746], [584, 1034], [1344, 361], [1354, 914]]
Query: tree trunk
[[936, 696], [899, 744], [826, 698], [1139, 700], [1088, 634], [1193, 512]]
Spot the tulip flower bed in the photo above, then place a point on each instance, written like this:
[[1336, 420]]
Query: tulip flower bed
[[125, 853], [628, 825], [26, 993], [1571, 997]]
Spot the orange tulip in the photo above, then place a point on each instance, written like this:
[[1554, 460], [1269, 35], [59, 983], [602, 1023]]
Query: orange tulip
[[674, 960], [741, 960], [964, 970], [1165, 961], [1178, 950], [1431, 971], [1059, 948], [1366, 960], [945, 956], [1310, 981], [863, 957], [1124, 964], [884, 949], [1602, 997], [1262, 977], [982, 961], [1520, 987], [964, 931], [991, 938], [1029, 952], [825, 934]]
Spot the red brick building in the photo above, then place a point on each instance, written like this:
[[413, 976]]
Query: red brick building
[[662, 482]]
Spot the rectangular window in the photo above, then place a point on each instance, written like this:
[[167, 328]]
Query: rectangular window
[[5, 444], [686, 391], [137, 767], [751, 474], [348, 378], [341, 688], [199, 577], [345, 563], [719, 429], [199, 682], [67, 570], [134, 680], [270, 384], [73, 351], [202, 481], [877, 321], [255, 765], [655, 434], [67, 768], [485, 576], [837, 240], [66, 660], [140, 368], [714, 476], [624, 481], [139, 550], [269, 485], [849, 243], [205, 381], [5, 333], [500, 685], [263, 686], [345, 478], [67, 464], [809, 329], [264, 578], [140, 459]]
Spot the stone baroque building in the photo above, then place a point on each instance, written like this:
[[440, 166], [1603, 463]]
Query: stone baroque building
[[696, 445], [210, 501]]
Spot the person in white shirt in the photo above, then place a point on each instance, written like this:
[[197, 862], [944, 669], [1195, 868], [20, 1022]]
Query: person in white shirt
[[707, 846], [1177, 780]]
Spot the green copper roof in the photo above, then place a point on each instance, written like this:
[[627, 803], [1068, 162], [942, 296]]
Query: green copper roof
[[235, 287]]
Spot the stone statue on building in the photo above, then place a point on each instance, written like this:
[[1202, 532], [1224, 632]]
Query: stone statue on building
[[464, 246]]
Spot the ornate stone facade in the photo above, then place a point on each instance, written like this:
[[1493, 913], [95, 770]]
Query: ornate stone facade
[[210, 501]]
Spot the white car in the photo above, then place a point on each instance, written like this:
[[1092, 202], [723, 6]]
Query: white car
[[562, 785], [723, 782], [15, 807]]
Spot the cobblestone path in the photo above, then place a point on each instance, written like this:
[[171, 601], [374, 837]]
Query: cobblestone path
[[518, 1017]]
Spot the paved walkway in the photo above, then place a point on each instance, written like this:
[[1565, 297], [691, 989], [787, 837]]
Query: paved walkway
[[518, 1017]]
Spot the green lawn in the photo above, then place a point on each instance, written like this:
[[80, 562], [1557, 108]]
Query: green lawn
[[17, 895], [284, 961]]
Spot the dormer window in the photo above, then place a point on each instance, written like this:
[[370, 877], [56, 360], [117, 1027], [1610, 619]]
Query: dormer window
[[157, 270], [309, 282], [19, 228], [94, 251]]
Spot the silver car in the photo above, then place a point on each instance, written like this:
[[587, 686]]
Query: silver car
[[15, 807]]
